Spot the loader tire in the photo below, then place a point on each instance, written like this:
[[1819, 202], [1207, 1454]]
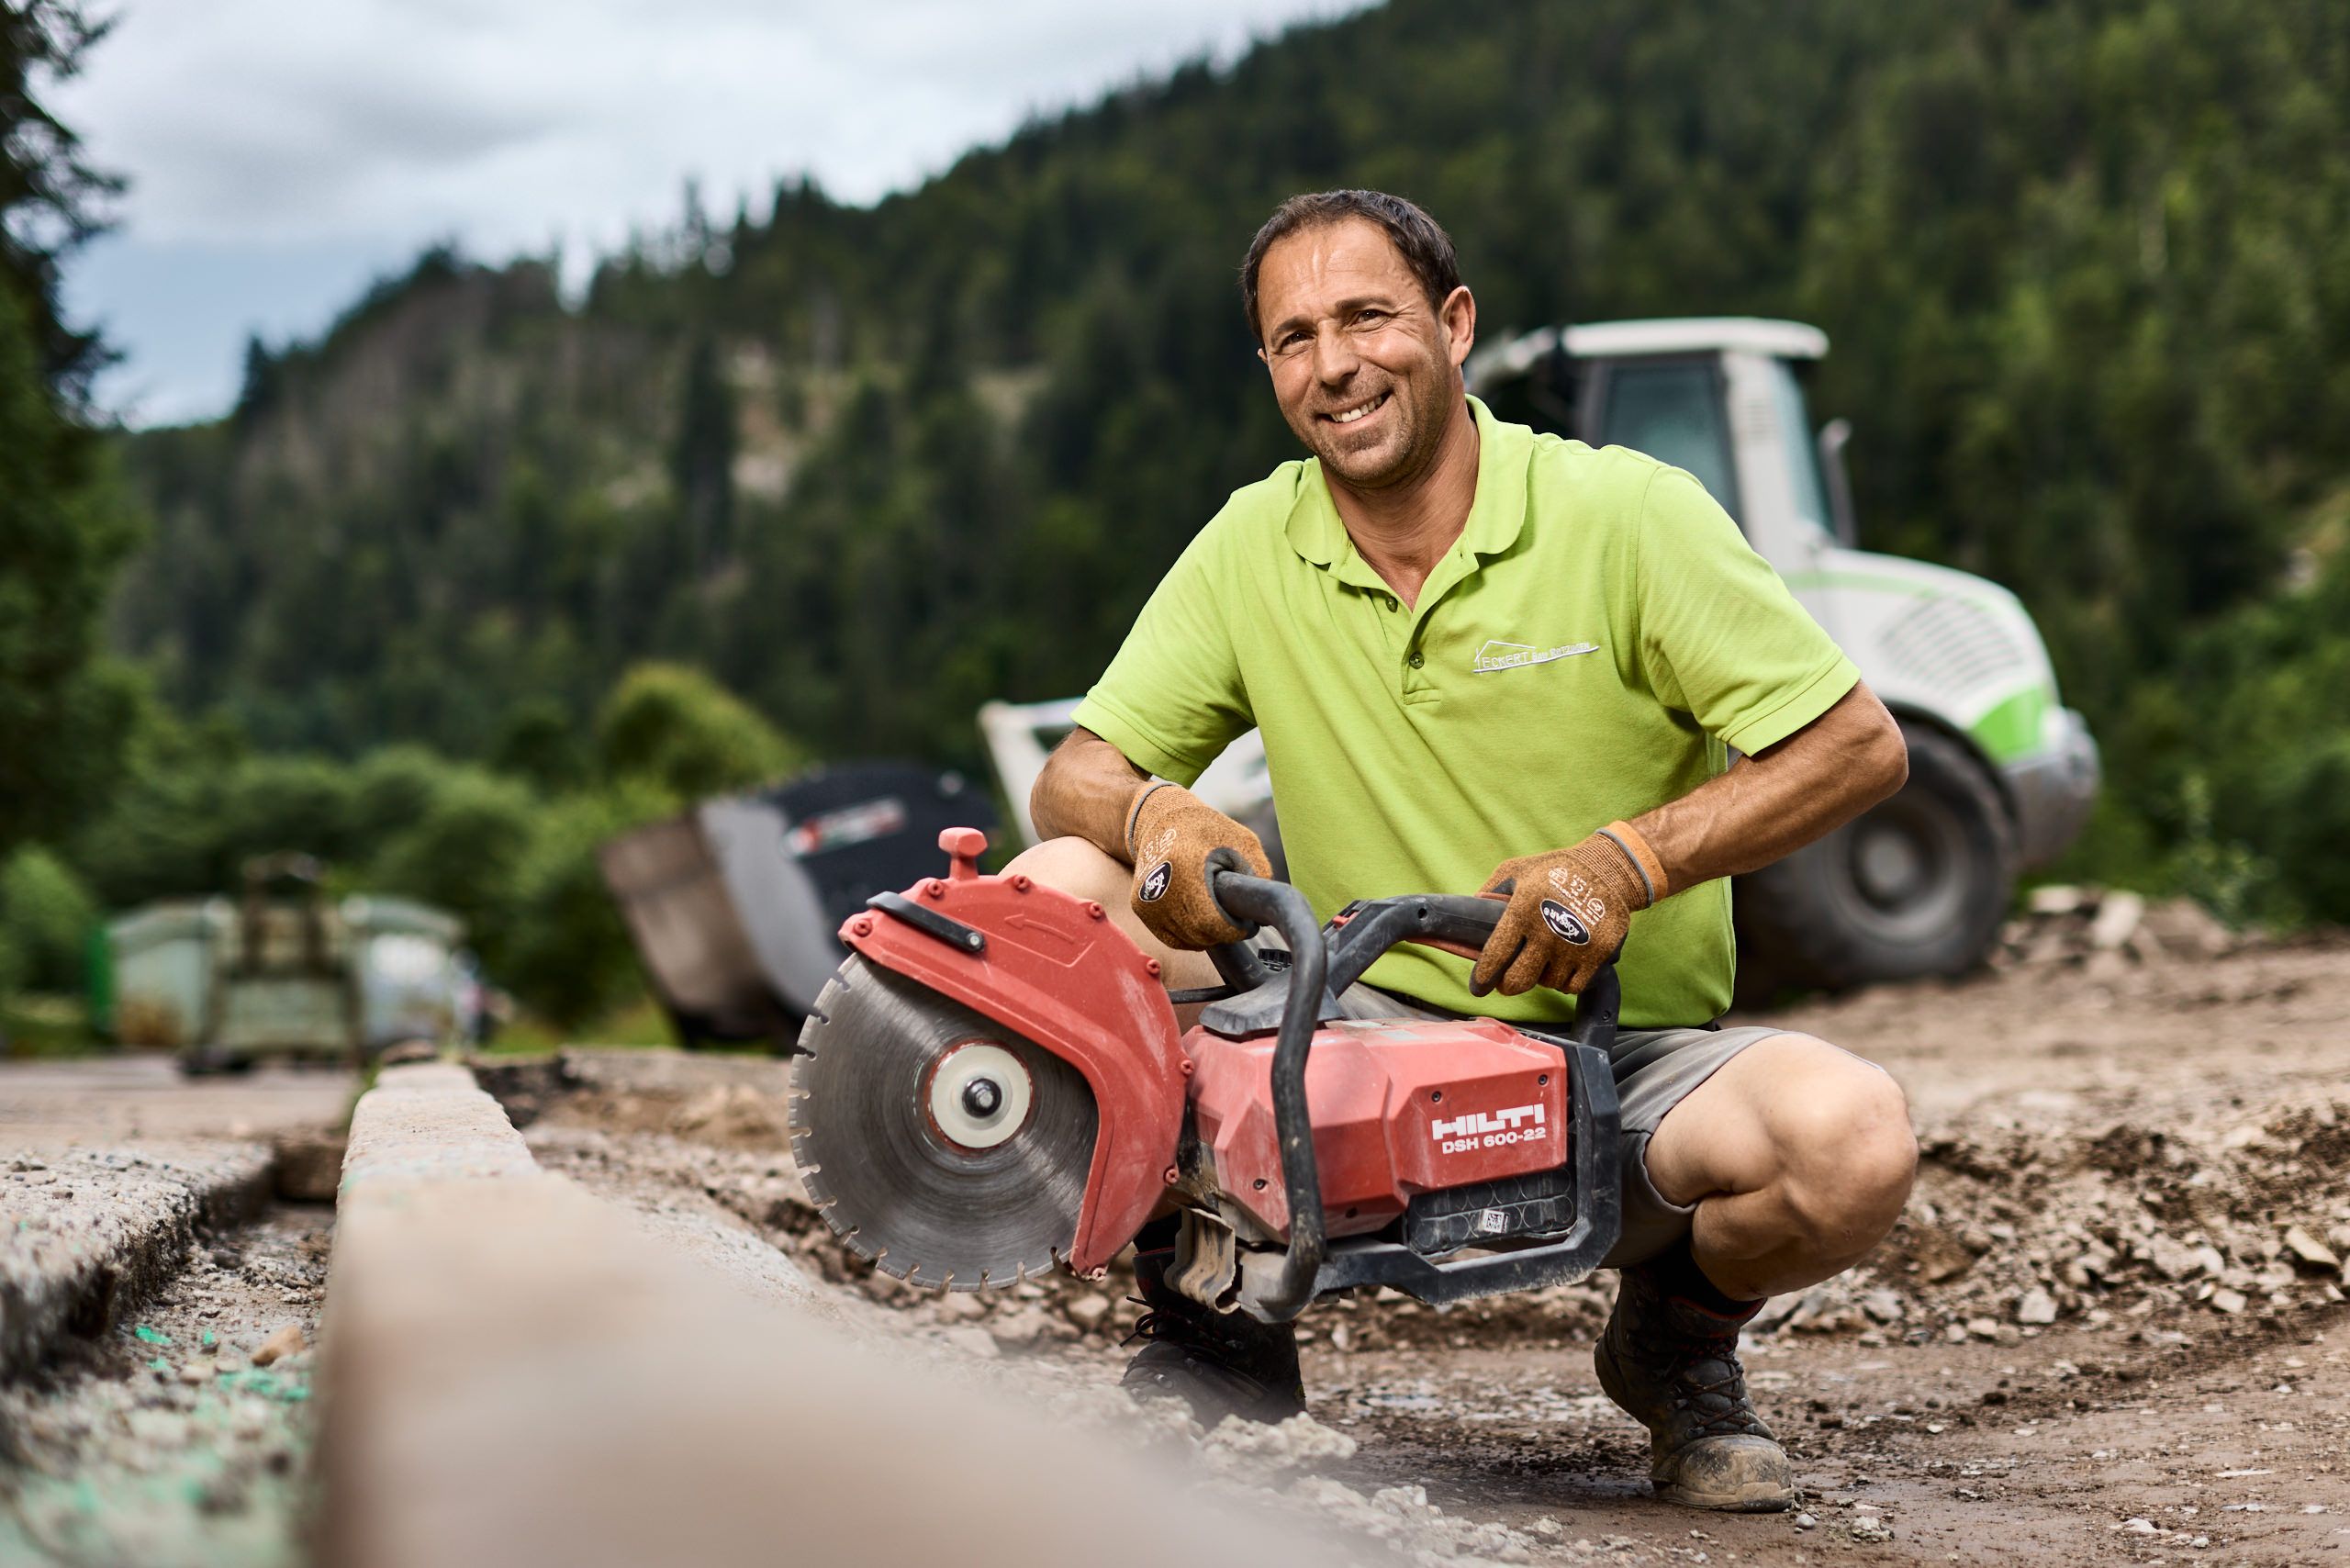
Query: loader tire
[[1916, 885]]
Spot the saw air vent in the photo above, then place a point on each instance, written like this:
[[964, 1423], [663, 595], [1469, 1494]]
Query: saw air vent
[[1951, 644]]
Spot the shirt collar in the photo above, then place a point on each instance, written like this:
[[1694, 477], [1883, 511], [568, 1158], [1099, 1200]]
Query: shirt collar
[[1496, 516]]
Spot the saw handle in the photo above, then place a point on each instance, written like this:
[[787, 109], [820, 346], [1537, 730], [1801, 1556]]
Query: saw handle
[[1459, 924], [1259, 901], [1454, 922]]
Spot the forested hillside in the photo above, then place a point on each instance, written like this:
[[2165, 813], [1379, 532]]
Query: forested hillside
[[2086, 268]]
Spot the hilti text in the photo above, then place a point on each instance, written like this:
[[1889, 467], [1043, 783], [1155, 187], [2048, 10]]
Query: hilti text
[[1489, 1130]]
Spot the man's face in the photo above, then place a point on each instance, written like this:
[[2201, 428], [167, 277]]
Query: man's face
[[1366, 371]]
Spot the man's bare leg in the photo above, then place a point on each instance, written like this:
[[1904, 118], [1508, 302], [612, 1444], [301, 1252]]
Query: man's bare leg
[[1079, 869], [1797, 1157]]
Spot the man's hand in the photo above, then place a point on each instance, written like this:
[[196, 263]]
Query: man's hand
[[1173, 837], [1568, 912]]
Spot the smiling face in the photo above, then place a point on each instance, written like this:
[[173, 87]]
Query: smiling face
[[1367, 373]]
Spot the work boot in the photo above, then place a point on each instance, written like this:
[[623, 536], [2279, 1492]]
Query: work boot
[[1220, 1363], [1671, 1362]]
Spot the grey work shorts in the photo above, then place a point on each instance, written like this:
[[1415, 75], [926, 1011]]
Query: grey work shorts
[[1655, 1071]]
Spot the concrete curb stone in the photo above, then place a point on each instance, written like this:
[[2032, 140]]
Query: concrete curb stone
[[514, 1372]]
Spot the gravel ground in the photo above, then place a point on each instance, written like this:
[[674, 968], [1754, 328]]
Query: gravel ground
[[181, 1438], [2109, 1328]]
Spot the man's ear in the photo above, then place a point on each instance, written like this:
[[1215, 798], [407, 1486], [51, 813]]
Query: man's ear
[[1459, 315]]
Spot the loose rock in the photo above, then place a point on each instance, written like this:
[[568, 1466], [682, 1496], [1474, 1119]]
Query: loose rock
[[2307, 1248]]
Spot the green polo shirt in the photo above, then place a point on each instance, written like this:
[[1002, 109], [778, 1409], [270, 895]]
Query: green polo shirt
[[1587, 651]]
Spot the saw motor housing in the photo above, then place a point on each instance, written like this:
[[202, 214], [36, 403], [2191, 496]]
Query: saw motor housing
[[1401, 1108]]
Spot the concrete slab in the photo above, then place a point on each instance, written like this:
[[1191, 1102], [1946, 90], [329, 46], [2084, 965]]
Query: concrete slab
[[86, 1234], [128, 1098], [515, 1373]]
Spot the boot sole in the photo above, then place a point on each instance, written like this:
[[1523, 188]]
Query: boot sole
[[1745, 1500], [1212, 1392], [1760, 1498]]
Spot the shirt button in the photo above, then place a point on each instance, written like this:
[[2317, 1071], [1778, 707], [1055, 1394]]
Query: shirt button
[[1417, 660], [1393, 603]]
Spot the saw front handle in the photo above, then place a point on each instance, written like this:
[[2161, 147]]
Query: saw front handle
[[1323, 965]]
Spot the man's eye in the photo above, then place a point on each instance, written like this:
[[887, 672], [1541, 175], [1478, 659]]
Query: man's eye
[[1370, 318]]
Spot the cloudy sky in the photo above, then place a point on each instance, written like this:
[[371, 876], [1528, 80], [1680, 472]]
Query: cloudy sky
[[282, 153]]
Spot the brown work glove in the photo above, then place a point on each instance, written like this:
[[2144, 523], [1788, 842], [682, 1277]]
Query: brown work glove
[[1173, 837], [1568, 912]]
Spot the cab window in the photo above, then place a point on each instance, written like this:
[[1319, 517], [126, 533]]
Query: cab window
[[1803, 452], [1673, 413]]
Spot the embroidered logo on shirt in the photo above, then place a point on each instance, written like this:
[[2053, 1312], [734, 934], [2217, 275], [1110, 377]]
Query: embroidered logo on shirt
[[1498, 654]]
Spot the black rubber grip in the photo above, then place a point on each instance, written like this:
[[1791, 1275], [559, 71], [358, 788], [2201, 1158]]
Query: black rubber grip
[[1458, 917]]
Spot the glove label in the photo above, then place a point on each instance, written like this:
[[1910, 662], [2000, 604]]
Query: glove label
[[1154, 886], [1561, 920]]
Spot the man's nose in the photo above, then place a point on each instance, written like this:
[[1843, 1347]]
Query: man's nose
[[1334, 357]]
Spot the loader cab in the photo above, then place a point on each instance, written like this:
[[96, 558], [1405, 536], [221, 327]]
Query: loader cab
[[1721, 397]]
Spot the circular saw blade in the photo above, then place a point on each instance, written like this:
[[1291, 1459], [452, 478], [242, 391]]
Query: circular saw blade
[[925, 1208]]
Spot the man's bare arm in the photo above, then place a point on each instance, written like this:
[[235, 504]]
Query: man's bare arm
[[1084, 791], [1782, 797]]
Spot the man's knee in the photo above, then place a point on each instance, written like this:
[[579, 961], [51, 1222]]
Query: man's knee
[[1075, 866], [1845, 1152]]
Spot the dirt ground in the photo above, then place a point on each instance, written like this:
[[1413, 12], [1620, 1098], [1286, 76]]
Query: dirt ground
[[2108, 1327]]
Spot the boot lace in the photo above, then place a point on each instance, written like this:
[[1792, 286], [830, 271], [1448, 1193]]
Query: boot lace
[[1697, 1372]]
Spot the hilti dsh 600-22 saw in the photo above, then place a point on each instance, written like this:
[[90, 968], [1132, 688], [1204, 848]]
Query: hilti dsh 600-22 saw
[[995, 1085]]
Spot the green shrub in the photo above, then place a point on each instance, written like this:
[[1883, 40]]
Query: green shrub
[[45, 920], [392, 789], [675, 727], [541, 741], [289, 803], [563, 951], [467, 848]]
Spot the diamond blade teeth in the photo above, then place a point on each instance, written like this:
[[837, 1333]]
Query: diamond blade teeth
[[875, 1029]]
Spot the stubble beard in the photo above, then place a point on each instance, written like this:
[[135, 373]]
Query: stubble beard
[[1403, 455]]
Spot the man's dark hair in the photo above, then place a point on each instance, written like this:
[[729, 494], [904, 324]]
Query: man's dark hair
[[1426, 249]]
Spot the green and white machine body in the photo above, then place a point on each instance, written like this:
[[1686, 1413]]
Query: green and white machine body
[[2002, 774]]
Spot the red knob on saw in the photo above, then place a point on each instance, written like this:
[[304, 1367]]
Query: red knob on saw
[[964, 846]]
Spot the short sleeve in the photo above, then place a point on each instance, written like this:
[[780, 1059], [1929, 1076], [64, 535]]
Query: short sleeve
[[1725, 640], [1172, 699]]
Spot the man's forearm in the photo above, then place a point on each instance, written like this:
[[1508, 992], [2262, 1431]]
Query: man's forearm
[[1084, 791], [1787, 795]]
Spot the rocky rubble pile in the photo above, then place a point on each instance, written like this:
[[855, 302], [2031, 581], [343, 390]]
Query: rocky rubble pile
[[2006, 1235], [2107, 932]]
